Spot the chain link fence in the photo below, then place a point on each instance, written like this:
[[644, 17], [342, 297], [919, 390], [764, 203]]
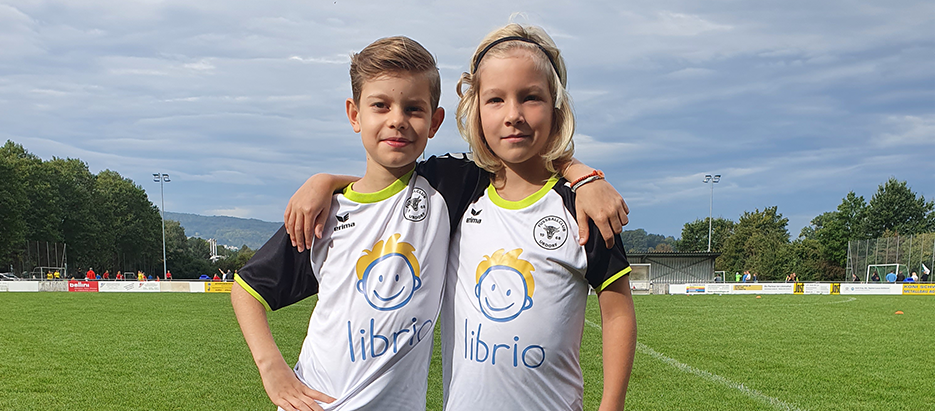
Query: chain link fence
[[913, 251]]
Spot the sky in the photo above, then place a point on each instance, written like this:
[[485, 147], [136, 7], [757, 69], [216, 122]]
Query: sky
[[794, 103]]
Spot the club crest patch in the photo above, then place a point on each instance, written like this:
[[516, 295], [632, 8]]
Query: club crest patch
[[417, 206], [550, 232]]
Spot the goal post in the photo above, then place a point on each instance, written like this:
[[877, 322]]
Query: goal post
[[881, 270]]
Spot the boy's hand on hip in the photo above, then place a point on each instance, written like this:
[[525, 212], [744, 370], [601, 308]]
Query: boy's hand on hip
[[286, 391], [599, 201]]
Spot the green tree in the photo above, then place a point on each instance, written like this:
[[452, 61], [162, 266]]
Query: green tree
[[895, 207], [128, 224], [639, 241], [13, 205], [695, 235], [758, 244]]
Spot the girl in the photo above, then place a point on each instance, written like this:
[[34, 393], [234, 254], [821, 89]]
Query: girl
[[513, 314]]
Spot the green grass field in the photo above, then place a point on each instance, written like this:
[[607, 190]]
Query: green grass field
[[112, 351]]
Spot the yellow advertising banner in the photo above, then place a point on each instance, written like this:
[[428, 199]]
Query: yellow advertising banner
[[799, 288], [835, 288], [750, 287], [213, 287], [918, 289]]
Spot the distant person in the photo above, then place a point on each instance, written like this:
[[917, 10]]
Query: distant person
[[168, 275], [119, 276], [925, 273], [49, 276], [90, 275], [235, 275], [149, 278], [216, 278], [900, 277], [736, 276], [140, 276], [875, 277], [97, 276], [891, 277], [914, 276], [754, 277], [106, 274], [717, 278], [854, 277], [57, 275]]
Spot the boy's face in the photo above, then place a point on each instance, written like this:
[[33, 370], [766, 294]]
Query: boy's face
[[395, 119]]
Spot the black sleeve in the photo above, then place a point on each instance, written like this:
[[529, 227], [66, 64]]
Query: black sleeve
[[458, 179], [278, 275], [604, 265]]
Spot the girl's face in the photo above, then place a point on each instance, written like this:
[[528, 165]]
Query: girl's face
[[516, 108]]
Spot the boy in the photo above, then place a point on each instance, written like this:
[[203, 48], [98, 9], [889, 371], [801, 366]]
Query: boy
[[379, 288]]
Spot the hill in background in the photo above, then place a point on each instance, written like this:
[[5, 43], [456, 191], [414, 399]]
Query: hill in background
[[231, 231]]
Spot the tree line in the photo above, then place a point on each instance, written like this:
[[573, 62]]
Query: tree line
[[106, 220], [760, 242]]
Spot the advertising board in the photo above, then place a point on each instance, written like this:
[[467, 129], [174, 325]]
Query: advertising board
[[870, 289], [82, 286], [129, 287], [213, 287], [918, 289]]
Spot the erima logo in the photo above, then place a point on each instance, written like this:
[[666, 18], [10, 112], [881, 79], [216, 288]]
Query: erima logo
[[472, 220], [343, 220]]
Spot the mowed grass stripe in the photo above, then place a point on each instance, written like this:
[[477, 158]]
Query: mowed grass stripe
[[86, 351]]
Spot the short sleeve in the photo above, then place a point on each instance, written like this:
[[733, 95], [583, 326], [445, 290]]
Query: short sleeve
[[279, 275], [458, 179], [604, 265]]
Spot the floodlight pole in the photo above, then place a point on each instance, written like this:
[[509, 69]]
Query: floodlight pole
[[713, 180], [162, 178]]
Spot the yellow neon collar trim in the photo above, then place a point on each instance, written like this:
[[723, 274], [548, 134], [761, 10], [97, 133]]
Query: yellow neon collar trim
[[381, 195], [521, 204]]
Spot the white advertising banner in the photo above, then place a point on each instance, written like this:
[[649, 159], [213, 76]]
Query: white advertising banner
[[196, 287], [20, 286], [871, 289], [817, 288], [128, 287], [677, 288]]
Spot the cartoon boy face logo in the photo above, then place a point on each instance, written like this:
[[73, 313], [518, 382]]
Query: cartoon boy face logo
[[388, 275], [504, 285]]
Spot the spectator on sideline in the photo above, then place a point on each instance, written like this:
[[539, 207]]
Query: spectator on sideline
[[854, 277], [90, 275], [914, 276], [106, 274], [235, 275], [119, 276], [216, 278], [48, 276], [754, 277], [717, 278], [736, 276], [891, 277], [746, 276], [57, 275], [168, 275], [900, 277], [875, 277]]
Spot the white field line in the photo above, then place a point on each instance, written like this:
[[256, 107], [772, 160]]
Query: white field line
[[750, 392]]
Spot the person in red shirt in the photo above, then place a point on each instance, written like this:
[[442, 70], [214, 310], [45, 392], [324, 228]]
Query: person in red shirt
[[90, 274], [119, 275], [169, 275], [216, 278], [106, 274]]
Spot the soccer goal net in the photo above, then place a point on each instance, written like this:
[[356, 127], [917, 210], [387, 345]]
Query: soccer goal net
[[885, 272]]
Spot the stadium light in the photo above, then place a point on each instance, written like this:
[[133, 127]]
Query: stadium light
[[162, 178], [713, 180]]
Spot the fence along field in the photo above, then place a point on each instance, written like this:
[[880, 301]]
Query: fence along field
[[167, 351]]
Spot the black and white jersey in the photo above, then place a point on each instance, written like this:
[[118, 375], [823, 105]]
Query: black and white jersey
[[513, 314], [379, 272]]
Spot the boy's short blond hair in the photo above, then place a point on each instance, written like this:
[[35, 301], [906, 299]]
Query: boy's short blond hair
[[393, 56], [560, 147]]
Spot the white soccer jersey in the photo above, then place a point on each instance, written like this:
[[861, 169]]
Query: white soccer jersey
[[379, 272], [513, 313]]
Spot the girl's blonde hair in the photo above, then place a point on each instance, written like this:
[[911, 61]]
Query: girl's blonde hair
[[560, 147]]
